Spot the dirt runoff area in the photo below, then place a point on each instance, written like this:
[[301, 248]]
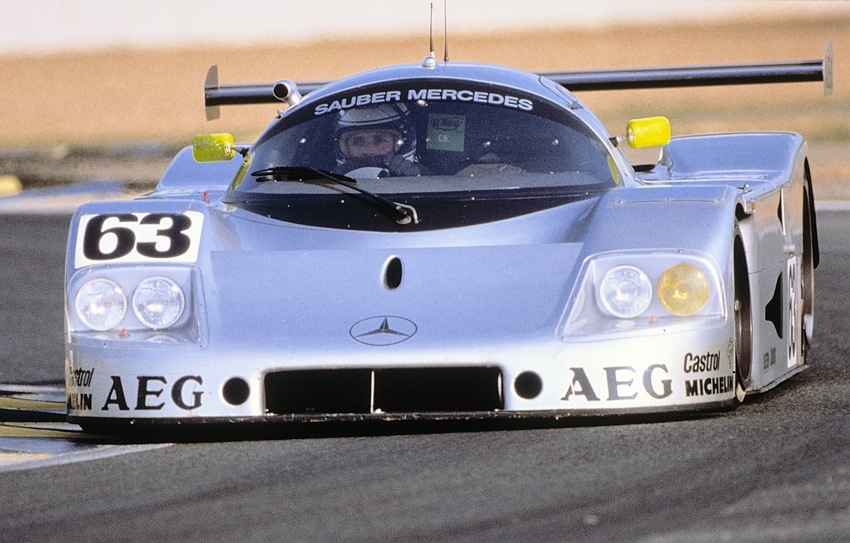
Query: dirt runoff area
[[121, 114]]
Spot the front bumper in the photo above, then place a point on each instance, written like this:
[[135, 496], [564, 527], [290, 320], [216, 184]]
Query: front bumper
[[685, 371]]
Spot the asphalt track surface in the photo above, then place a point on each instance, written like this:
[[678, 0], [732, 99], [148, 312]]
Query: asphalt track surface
[[777, 469]]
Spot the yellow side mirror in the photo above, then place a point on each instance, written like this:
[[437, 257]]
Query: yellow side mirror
[[648, 132], [213, 147]]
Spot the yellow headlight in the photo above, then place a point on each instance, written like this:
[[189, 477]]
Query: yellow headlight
[[683, 289]]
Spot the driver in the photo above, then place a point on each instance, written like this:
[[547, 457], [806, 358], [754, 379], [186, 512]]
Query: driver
[[376, 140]]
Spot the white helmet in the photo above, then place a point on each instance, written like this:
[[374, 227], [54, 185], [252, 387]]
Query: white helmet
[[394, 117]]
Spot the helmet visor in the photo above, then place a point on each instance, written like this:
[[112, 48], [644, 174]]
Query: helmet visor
[[369, 142]]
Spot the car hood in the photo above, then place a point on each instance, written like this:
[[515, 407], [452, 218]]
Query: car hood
[[298, 288]]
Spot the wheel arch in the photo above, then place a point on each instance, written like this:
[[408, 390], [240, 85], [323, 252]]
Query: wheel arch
[[809, 215]]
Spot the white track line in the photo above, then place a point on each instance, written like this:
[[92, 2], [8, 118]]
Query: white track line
[[98, 452], [24, 453], [832, 205]]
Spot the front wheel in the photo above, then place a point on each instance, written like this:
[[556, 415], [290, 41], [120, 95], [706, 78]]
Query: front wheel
[[742, 309], [807, 272]]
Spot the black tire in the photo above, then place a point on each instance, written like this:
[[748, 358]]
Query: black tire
[[742, 309], [807, 272]]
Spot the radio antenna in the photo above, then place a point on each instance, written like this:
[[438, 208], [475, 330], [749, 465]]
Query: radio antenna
[[445, 32], [431, 30], [431, 60]]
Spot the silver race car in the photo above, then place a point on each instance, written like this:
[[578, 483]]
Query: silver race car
[[447, 241]]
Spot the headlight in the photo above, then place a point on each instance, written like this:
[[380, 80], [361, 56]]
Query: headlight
[[100, 304], [625, 291], [683, 289], [158, 302]]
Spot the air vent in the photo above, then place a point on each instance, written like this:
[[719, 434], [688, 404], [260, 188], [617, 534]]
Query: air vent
[[399, 390], [392, 273]]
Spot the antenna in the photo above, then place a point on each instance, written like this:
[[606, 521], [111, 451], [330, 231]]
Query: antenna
[[431, 61], [445, 32], [431, 31]]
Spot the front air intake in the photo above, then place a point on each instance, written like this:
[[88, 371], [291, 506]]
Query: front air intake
[[366, 391]]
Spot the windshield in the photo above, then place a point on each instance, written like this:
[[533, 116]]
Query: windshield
[[432, 141]]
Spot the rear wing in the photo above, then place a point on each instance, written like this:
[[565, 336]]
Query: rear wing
[[216, 95]]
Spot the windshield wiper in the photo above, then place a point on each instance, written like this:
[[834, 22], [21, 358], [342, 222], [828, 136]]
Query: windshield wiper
[[402, 213]]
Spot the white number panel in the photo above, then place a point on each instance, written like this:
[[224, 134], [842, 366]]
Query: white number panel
[[138, 237]]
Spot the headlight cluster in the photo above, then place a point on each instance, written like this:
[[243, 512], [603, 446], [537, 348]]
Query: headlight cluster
[[157, 303], [650, 290], [626, 291]]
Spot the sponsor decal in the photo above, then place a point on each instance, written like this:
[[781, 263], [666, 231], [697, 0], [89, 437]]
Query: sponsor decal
[[730, 354], [769, 359], [432, 95], [79, 401], [184, 393], [793, 309], [446, 132], [709, 386], [80, 377], [358, 101], [138, 237], [698, 363], [621, 383], [383, 331]]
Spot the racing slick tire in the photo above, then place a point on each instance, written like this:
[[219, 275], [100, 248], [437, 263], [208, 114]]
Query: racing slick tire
[[807, 270], [742, 309]]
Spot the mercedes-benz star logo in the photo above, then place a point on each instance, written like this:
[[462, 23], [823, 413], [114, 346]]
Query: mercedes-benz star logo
[[382, 331]]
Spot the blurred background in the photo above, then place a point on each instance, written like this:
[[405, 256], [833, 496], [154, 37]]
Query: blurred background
[[96, 89]]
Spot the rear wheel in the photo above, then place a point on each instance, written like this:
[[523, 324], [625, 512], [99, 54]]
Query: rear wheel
[[742, 309]]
